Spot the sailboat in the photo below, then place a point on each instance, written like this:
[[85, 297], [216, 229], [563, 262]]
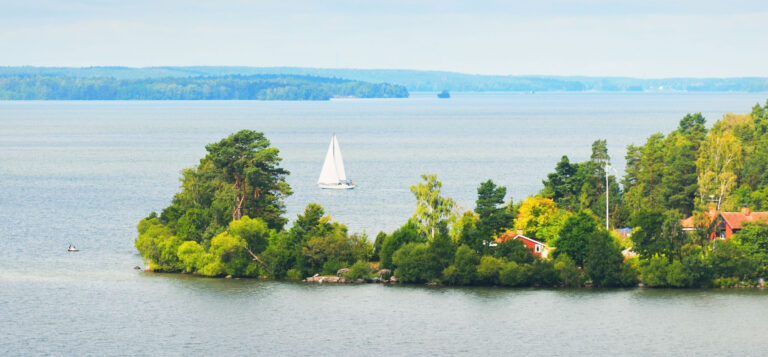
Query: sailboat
[[332, 176]]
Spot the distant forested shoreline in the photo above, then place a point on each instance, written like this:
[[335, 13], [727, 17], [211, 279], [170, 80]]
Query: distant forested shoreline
[[230, 87], [418, 80]]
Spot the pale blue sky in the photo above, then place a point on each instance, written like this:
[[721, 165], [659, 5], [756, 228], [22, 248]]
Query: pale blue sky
[[598, 38]]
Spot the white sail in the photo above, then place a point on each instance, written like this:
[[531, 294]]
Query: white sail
[[338, 161], [329, 174]]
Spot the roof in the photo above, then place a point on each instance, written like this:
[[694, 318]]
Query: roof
[[690, 222], [736, 220], [512, 236]]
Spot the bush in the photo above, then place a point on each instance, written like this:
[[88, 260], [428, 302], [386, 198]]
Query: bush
[[603, 260], [543, 273], [451, 275], [293, 274], [513, 274], [359, 270], [677, 275], [331, 266], [415, 263], [654, 272], [569, 273], [466, 262], [488, 270]]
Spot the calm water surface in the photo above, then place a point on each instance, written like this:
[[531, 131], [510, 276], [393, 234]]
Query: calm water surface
[[86, 172]]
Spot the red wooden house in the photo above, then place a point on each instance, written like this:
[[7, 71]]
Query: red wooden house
[[726, 224], [537, 248]]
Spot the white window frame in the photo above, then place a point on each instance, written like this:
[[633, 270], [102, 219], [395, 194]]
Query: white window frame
[[538, 248]]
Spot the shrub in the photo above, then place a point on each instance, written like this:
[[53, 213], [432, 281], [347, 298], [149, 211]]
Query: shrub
[[293, 274], [466, 262], [489, 268], [331, 266], [569, 273], [415, 263], [359, 270], [513, 274]]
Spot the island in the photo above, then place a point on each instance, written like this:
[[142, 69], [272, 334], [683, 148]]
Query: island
[[229, 87], [690, 212], [444, 94]]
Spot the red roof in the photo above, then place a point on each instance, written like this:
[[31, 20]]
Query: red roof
[[736, 220], [690, 222], [512, 235]]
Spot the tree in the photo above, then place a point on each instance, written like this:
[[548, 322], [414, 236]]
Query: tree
[[680, 179], [603, 263], [719, 160], [570, 276], [600, 153], [564, 185], [465, 264], [432, 209], [493, 217], [408, 233], [248, 163], [645, 172], [540, 218], [754, 239], [646, 240], [514, 250], [574, 236], [489, 268], [414, 263]]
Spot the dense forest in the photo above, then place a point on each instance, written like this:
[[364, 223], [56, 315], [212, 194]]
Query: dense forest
[[415, 80], [231, 87], [228, 220]]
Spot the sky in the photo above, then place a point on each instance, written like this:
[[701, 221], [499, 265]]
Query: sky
[[646, 39]]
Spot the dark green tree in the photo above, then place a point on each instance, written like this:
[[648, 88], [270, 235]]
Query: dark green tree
[[574, 236], [248, 163], [603, 263], [493, 217]]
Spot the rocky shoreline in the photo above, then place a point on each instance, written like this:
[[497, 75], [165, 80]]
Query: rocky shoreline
[[330, 279]]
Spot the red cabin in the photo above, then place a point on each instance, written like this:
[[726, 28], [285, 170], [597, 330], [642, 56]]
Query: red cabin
[[726, 224], [537, 248]]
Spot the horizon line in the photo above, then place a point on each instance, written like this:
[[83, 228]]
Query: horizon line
[[436, 71]]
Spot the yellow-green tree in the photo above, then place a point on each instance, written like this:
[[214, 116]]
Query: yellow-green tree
[[719, 160], [540, 218], [432, 209]]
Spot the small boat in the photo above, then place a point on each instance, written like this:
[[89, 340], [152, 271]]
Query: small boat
[[444, 94], [332, 176], [72, 248]]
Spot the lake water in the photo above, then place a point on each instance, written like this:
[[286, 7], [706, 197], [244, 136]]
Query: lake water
[[86, 172]]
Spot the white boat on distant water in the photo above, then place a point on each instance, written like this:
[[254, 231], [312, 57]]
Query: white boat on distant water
[[72, 248], [332, 176]]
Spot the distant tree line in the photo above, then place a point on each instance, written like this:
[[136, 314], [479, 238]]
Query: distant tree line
[[233, 87], [419, 80]]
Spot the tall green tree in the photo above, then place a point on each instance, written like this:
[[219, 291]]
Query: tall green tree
[[493, 217], [574, 236], [248, 163], [719, 160], [432, 209]]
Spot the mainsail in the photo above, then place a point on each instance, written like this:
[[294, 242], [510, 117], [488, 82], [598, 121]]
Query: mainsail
[[333, 167], [338, 162]]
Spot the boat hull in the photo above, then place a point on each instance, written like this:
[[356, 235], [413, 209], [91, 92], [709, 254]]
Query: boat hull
[[330, 186]]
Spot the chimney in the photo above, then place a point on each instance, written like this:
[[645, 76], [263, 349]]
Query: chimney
[[712, 210], [745, 210]]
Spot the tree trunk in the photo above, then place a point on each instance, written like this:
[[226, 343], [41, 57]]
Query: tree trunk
[[256, 258]]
